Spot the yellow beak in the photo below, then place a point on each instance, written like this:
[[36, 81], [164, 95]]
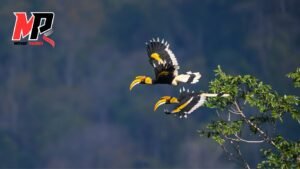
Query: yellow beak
[[134, 83], [159, 103], [165, 100]]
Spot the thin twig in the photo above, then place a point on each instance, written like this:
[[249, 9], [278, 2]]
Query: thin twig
[[232, 139], [234, 112], [248, 141], [265, 136], [231, 155], [218, 114], [239, 139], [237, 148]]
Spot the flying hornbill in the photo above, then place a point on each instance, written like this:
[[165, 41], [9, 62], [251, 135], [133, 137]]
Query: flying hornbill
[[165, 66], [186, 103]]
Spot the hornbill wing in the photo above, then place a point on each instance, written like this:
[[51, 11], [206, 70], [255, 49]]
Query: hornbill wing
[[189, 104], [198, 100], [159, 54], [165, 72]]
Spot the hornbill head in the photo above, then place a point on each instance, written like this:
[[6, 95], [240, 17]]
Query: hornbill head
[[165, 100], [140, 80]]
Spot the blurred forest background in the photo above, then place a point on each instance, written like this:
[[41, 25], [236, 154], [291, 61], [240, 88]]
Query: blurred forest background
[[70, 106]]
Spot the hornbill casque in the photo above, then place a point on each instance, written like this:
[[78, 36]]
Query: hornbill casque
[[165, 66], [186, 103]]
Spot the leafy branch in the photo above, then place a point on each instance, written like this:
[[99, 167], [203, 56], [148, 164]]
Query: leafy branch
[[244, 117]]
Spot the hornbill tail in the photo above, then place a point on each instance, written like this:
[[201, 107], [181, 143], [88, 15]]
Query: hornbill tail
[[188, 77]]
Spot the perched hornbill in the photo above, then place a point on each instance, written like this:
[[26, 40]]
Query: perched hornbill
[[165, 66], [186, 103]]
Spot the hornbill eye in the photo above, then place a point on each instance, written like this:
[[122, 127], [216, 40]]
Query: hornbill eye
[[165, 100]]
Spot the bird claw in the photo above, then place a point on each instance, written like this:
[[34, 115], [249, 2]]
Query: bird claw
[[166, 111]]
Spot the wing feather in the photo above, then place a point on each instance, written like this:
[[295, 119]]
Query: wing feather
[[195, 101], [161, 47], [169, 62]]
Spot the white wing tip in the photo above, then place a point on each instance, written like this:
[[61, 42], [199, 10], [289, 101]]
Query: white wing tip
[[197, 77]]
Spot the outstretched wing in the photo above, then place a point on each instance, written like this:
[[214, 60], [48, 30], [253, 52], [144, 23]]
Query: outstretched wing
[[165, 73], [160, 54]]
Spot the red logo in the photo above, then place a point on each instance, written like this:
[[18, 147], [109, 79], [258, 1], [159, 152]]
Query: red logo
[[36, 29]]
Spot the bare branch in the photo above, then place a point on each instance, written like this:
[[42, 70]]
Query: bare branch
[[234, 112], [233, 156], [239, 139], [237, 148], [213, 95], [232, 139], [218, 114], [248, 141], [263, 134], [231, 110]]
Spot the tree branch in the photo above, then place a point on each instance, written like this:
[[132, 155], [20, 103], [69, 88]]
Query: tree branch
[[248, 141], [239, 139], [237, 148], [263, 134]]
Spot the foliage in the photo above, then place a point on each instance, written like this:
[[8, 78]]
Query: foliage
[[295, 76], [255, 105], [285, 156]]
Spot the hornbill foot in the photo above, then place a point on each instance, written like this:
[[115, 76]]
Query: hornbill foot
[[166, 111]]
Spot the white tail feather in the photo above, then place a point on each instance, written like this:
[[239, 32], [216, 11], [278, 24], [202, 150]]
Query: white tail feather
[[185, 78]]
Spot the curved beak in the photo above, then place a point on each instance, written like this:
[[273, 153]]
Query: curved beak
[[134, 83], [161, 101]]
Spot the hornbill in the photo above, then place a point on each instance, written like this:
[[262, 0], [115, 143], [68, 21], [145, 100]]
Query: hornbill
[[165, 66], [186, 103]]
